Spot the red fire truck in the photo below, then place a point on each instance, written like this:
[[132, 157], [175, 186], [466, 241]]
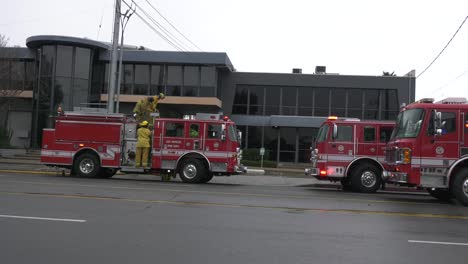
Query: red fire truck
[[351, 151], [429, 149], [97, 145]]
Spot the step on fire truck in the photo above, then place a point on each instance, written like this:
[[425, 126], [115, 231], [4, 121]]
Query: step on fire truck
[[97, 145], [429, 149], [350, 151]]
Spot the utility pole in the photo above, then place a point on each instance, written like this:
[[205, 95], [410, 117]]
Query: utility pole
[[113, 68]]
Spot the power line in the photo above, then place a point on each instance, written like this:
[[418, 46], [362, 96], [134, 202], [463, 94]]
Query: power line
[[163, 29], [155, 30], [149, 3], [440, 53]]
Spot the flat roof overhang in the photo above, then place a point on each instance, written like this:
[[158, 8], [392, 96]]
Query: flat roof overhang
[[171, 100]]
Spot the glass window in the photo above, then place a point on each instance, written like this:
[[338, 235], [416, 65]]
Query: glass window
[[338, 102], [322, 134], [289, 101], [240, 100], [214, 131], [270, 143], [82, 63], [194, 130], [207, 91], [4, 74], [287, 144], [449, 122], [157, 79], [369, 134], [47, 61], [141, 79], [390, 104], [64, 61], [305, 101], [106, 78], [174, 80], [306, 137], [256, 100], [62, 93], [191, 81], [174, 129], [80, 92], [208, 81], [371, 106], [354, 103], [254, 137], [272, 100], [127, 82], [243, 130], [385, 133], [345, 133], [408, 123], [30, 75], [17, 75], [322, 99]]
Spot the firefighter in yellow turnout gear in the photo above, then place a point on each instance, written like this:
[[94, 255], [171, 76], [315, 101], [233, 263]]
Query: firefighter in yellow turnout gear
[[143, 145], [144, 108]]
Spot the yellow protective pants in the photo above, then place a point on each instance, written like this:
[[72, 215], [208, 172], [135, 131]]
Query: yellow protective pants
[[141, 157]]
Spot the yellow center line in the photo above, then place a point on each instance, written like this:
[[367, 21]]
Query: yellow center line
[[224, 193], [225, 205]]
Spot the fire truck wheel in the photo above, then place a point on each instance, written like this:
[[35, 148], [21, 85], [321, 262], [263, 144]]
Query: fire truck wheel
[[460, 186], [193, 171], [107, 172], [440, 194], [87, 165], [207, 178], [366, 178]]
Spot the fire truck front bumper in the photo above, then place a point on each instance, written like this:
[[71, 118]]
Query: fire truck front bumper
[[391, 176], [311, 172], [240, 169]]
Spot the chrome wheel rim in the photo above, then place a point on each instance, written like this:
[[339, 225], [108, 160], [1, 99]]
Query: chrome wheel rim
[[86, 166], [465, 187], [368, 179], [190, 171]]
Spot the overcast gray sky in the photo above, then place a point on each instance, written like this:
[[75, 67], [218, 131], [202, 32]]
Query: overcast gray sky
[[359, 37]]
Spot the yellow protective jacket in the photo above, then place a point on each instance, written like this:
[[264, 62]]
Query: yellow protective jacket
[[144, 108], [144, 136]]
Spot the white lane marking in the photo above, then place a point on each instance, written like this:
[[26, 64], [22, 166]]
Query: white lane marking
[[44, 218], [438, 242]]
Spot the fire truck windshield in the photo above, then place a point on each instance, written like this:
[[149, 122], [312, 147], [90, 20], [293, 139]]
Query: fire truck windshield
[[408, 123], [232, 131], [322, 133]]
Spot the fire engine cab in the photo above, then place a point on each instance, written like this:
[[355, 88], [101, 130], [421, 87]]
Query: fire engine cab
[[350, 151], [98, 144], [429, 149]]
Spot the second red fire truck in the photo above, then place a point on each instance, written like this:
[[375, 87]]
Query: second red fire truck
[[351, 151], [429, 149], [99, 144]]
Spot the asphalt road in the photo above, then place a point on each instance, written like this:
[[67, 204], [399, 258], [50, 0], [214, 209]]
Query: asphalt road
[[47, 218]]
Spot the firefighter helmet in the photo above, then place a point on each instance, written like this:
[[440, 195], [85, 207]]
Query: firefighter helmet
[[144, 123], [161, 96]]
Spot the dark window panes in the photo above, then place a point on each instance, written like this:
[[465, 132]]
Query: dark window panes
[[272, 100], [63, 93], [306, 138], [354, 103], [371, 106], [287, 156], [64, 61], [385, 133], [141, 79], [214, 131], [240, 100], [287, 138], [256, 100], [345, 133], [174, 129], [194, 130], [254, 137], [191, 81], [173, 90], [305, 101], [338, 102], [288, 104], [449, 122], [270, 143], [30, 75], [369, 134], [322, 99], [390, 104], [174, 75], [243, 130], [208, 76], [157, 79], [82, 63], [207, 91], [47, 61], [80, 92], [127, 82], [4, 74], [17, 75]]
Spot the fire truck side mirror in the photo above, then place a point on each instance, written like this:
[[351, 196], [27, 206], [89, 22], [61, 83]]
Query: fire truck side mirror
[[335, 132], [223, 132], [438, 123], [239, 135]]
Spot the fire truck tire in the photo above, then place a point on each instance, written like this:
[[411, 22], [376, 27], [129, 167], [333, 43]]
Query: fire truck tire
[[87, 165], [366, 178], [440, 194], [107, 172], [192, 171], [207, 178], [460, 186]]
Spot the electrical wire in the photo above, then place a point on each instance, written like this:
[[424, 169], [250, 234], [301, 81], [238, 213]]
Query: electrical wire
[[440, 53], [154, 8]]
